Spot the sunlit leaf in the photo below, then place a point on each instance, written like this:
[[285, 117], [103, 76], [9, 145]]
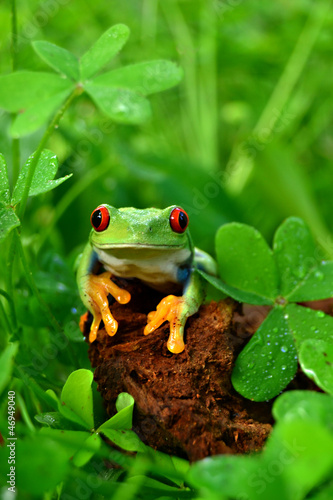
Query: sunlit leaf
[[268, 362], [122, 105], [23, 89], [316, 359], [37, 115], [122, 419], [103, 50], [76, 402], [306, 323], [144, 78], [294, 252], [42, 181], [58, 58], [246, 261], [317, 285]]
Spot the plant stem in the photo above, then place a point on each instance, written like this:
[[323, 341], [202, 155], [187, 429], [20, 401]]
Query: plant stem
[[9, 277], [32, 167], [3, 311], [14, 52], [24, 413]]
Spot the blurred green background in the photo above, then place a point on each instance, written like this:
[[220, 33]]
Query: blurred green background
[[246, 136]]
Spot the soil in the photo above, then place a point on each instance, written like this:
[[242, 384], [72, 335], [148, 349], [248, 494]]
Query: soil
[[185, 404]]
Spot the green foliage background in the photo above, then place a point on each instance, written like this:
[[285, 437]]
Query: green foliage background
[[247, 66], [246, 136]]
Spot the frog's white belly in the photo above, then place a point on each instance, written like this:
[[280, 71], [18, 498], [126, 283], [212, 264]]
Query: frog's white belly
[[157, 270]]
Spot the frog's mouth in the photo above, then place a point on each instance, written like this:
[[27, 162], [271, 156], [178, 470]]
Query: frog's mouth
[[141, 251]]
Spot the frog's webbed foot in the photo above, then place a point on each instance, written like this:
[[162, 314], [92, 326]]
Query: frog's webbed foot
[[97, 289], [174, 310]]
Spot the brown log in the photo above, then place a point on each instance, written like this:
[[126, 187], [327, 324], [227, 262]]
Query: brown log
[[185, 403]]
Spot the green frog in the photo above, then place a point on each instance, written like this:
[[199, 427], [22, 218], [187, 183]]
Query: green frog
[[153, 245]]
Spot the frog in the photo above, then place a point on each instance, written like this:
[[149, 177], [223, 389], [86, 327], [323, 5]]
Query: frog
[[153, 245]]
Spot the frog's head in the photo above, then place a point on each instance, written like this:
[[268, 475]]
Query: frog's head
[[131, 228]]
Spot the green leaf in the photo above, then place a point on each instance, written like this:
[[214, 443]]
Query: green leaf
[[76, 402], [125, 439], [39, 457], [6, 364], [88, 450], [4, 182], [305, 323], [42, 182], [125, 401], [8, 222], [317, 285], [224, 475], [303, 452], [268, 362], [56, 420], [71, 441], [58, 58], [304, 406], [316, 359], [102, 51], [122, 419], [246, 261], [23, 89], [294, 252], [326, 493], [144, 78], [235, 293], [37, 115], [122, 105]]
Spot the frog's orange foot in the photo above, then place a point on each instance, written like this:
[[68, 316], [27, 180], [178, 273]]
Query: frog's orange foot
[[169, 309], [99, 288], [83, 321]]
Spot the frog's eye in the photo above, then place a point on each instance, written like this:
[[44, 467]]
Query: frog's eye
[[100, 218], [178, 220]]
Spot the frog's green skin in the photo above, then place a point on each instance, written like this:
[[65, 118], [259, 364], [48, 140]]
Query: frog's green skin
[[142, 244]]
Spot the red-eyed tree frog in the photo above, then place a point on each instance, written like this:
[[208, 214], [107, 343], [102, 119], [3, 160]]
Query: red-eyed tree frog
[[153, 245]]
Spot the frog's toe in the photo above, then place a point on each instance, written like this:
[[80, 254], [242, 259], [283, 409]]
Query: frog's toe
[[169, 309], [83, 321], [94, 327], [111, 325]]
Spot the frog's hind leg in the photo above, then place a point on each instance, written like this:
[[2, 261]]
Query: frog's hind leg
[[176, 310]]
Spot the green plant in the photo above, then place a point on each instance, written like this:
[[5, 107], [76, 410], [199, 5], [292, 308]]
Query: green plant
[[284, 278]]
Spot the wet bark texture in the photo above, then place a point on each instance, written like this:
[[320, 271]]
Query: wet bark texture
[[185, 403]]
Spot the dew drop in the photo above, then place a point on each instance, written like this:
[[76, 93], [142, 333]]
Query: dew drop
[[319, 275], [320, 314], [283, 367], [284, 348], [286, 316]]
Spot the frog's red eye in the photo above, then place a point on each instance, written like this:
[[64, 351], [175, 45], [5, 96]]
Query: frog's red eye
[[178, 220], [100, 218]]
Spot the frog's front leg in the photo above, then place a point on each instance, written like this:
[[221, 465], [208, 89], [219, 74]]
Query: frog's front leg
[[176, 310], [94, 291]]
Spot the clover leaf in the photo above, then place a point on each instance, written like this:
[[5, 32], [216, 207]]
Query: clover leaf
[[74, 422], [119, 93], [283, 277]]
